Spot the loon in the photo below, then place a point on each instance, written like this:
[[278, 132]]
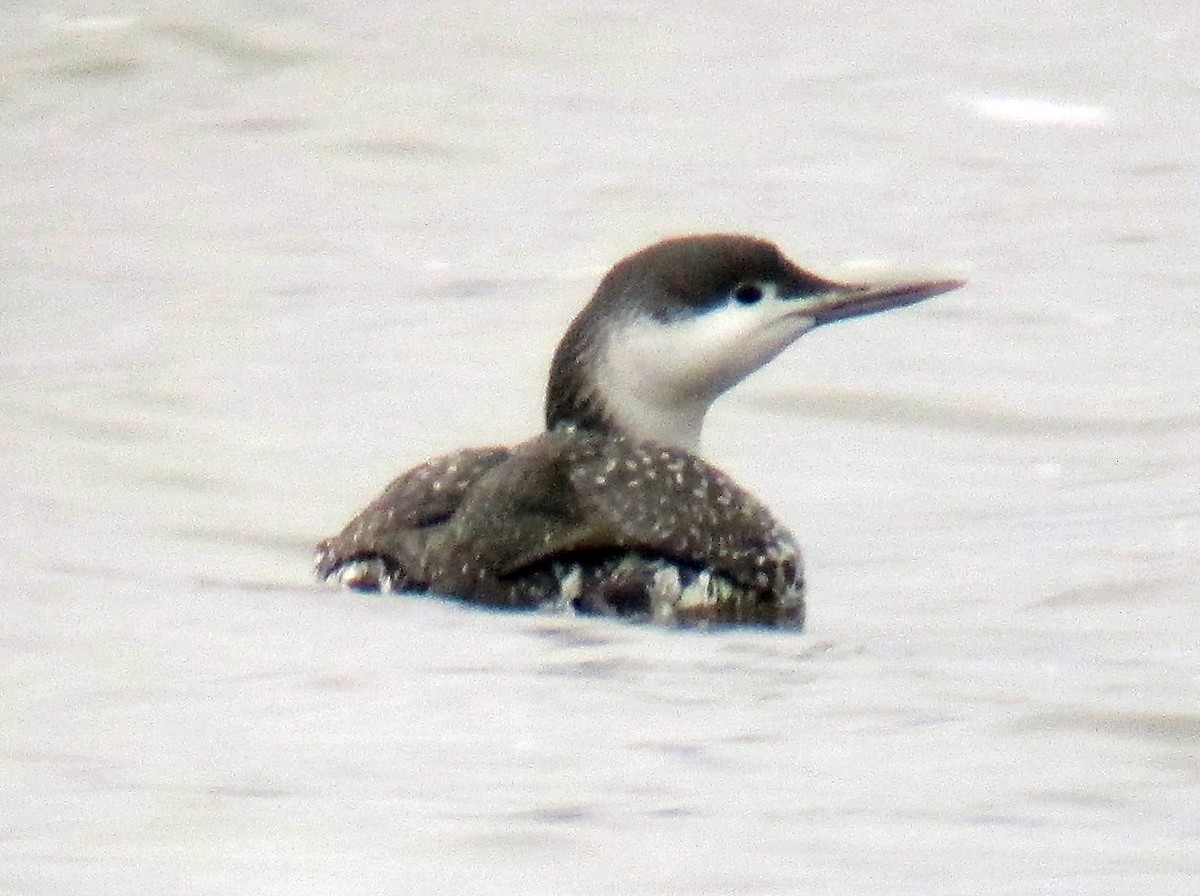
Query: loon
[[610, 510]]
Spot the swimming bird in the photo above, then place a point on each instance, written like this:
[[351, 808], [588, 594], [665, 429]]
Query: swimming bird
[[611, 510]]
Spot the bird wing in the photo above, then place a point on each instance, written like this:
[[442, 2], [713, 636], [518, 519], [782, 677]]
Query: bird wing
[[601, 493], [394, 525]]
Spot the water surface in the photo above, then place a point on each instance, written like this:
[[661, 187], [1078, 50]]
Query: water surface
[[258, 260]]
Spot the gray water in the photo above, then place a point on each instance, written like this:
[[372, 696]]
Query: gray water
[[258, 259]]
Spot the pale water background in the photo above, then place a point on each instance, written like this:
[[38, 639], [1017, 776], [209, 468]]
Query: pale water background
[[258, 258]]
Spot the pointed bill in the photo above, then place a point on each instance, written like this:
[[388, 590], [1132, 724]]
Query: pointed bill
[[879, 293]]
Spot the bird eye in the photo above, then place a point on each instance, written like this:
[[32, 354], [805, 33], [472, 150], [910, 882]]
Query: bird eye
[[748, 293]]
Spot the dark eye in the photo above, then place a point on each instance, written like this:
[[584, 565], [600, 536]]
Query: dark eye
[[748, 293]]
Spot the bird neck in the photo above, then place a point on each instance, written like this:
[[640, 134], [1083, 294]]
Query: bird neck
[[593, 388]]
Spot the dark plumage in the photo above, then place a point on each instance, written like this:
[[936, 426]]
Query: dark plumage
[[609, 510], [605, 517]]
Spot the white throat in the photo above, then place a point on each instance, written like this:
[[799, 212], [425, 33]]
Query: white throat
[[658, 379], [646, 413]]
